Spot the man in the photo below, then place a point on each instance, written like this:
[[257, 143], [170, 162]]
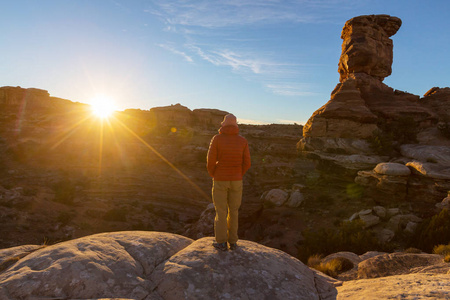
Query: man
[[228, 160]]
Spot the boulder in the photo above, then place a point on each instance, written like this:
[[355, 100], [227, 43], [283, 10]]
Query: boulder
[[399, 222], [154, 265], [430, 170], [380, 211], [444, 204], [425, 153], [277, 197], [385, 235], [392, 169], [295, 199], [369, 220], [103, 265], [395, 264], [354, 258], [411, 286], [251, 272]]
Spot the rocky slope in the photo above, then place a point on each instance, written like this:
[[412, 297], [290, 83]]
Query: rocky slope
[[154, 265]]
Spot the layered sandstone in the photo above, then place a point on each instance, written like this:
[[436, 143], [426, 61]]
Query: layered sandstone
[[366, 122], [367, 47]]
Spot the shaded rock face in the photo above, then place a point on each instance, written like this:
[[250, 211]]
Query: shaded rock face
[[154, 265], [367, 47]]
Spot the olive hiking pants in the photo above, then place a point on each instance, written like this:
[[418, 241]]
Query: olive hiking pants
[[227, 197]]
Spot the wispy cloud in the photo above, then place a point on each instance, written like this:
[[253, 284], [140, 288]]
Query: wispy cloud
[[220, 23], [290, 89], [214, 14], [177, 52]]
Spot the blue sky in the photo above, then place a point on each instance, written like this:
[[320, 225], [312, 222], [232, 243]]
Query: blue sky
[[267, 61]]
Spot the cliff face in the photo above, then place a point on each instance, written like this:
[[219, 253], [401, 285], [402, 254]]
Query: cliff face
[[367, 122]]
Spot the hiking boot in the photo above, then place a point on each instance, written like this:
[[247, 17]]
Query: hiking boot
[[233, 246], [221, 246]]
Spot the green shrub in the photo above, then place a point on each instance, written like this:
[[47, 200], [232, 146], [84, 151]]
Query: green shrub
[[433, 231], [349, 236]]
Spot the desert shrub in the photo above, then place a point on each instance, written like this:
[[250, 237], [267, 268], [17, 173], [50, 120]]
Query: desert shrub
[[443, 250], [381, 143], [433, 231], [354, 191], [447, 258], [314, 260], [118, 214], [399, 131], [332, 268], [349, 236], [64, 192]]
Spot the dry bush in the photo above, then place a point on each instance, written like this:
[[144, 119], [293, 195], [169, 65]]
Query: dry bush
[[443, 250], [333, 267]]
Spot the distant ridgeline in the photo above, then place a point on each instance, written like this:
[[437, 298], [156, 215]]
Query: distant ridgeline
[[32, 100]]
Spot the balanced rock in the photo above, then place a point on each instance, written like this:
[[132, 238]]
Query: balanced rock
[[367, 47]]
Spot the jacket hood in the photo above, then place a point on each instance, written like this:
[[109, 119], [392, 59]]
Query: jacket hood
[[231, 130]]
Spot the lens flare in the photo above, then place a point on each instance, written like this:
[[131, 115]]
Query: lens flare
[[102, 106]]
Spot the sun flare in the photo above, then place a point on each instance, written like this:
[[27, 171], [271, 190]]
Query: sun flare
[[102, 106]]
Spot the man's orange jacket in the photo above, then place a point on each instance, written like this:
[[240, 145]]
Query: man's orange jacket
[[228, 155]]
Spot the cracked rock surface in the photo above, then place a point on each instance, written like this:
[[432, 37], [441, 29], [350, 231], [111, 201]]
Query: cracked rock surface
[[156, 265]]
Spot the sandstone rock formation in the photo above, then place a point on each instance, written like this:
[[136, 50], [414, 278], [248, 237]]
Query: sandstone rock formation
[[366, 122], [153, 265], [367, 47]]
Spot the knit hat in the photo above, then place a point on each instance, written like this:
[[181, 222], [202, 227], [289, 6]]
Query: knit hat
[[229, 120]]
